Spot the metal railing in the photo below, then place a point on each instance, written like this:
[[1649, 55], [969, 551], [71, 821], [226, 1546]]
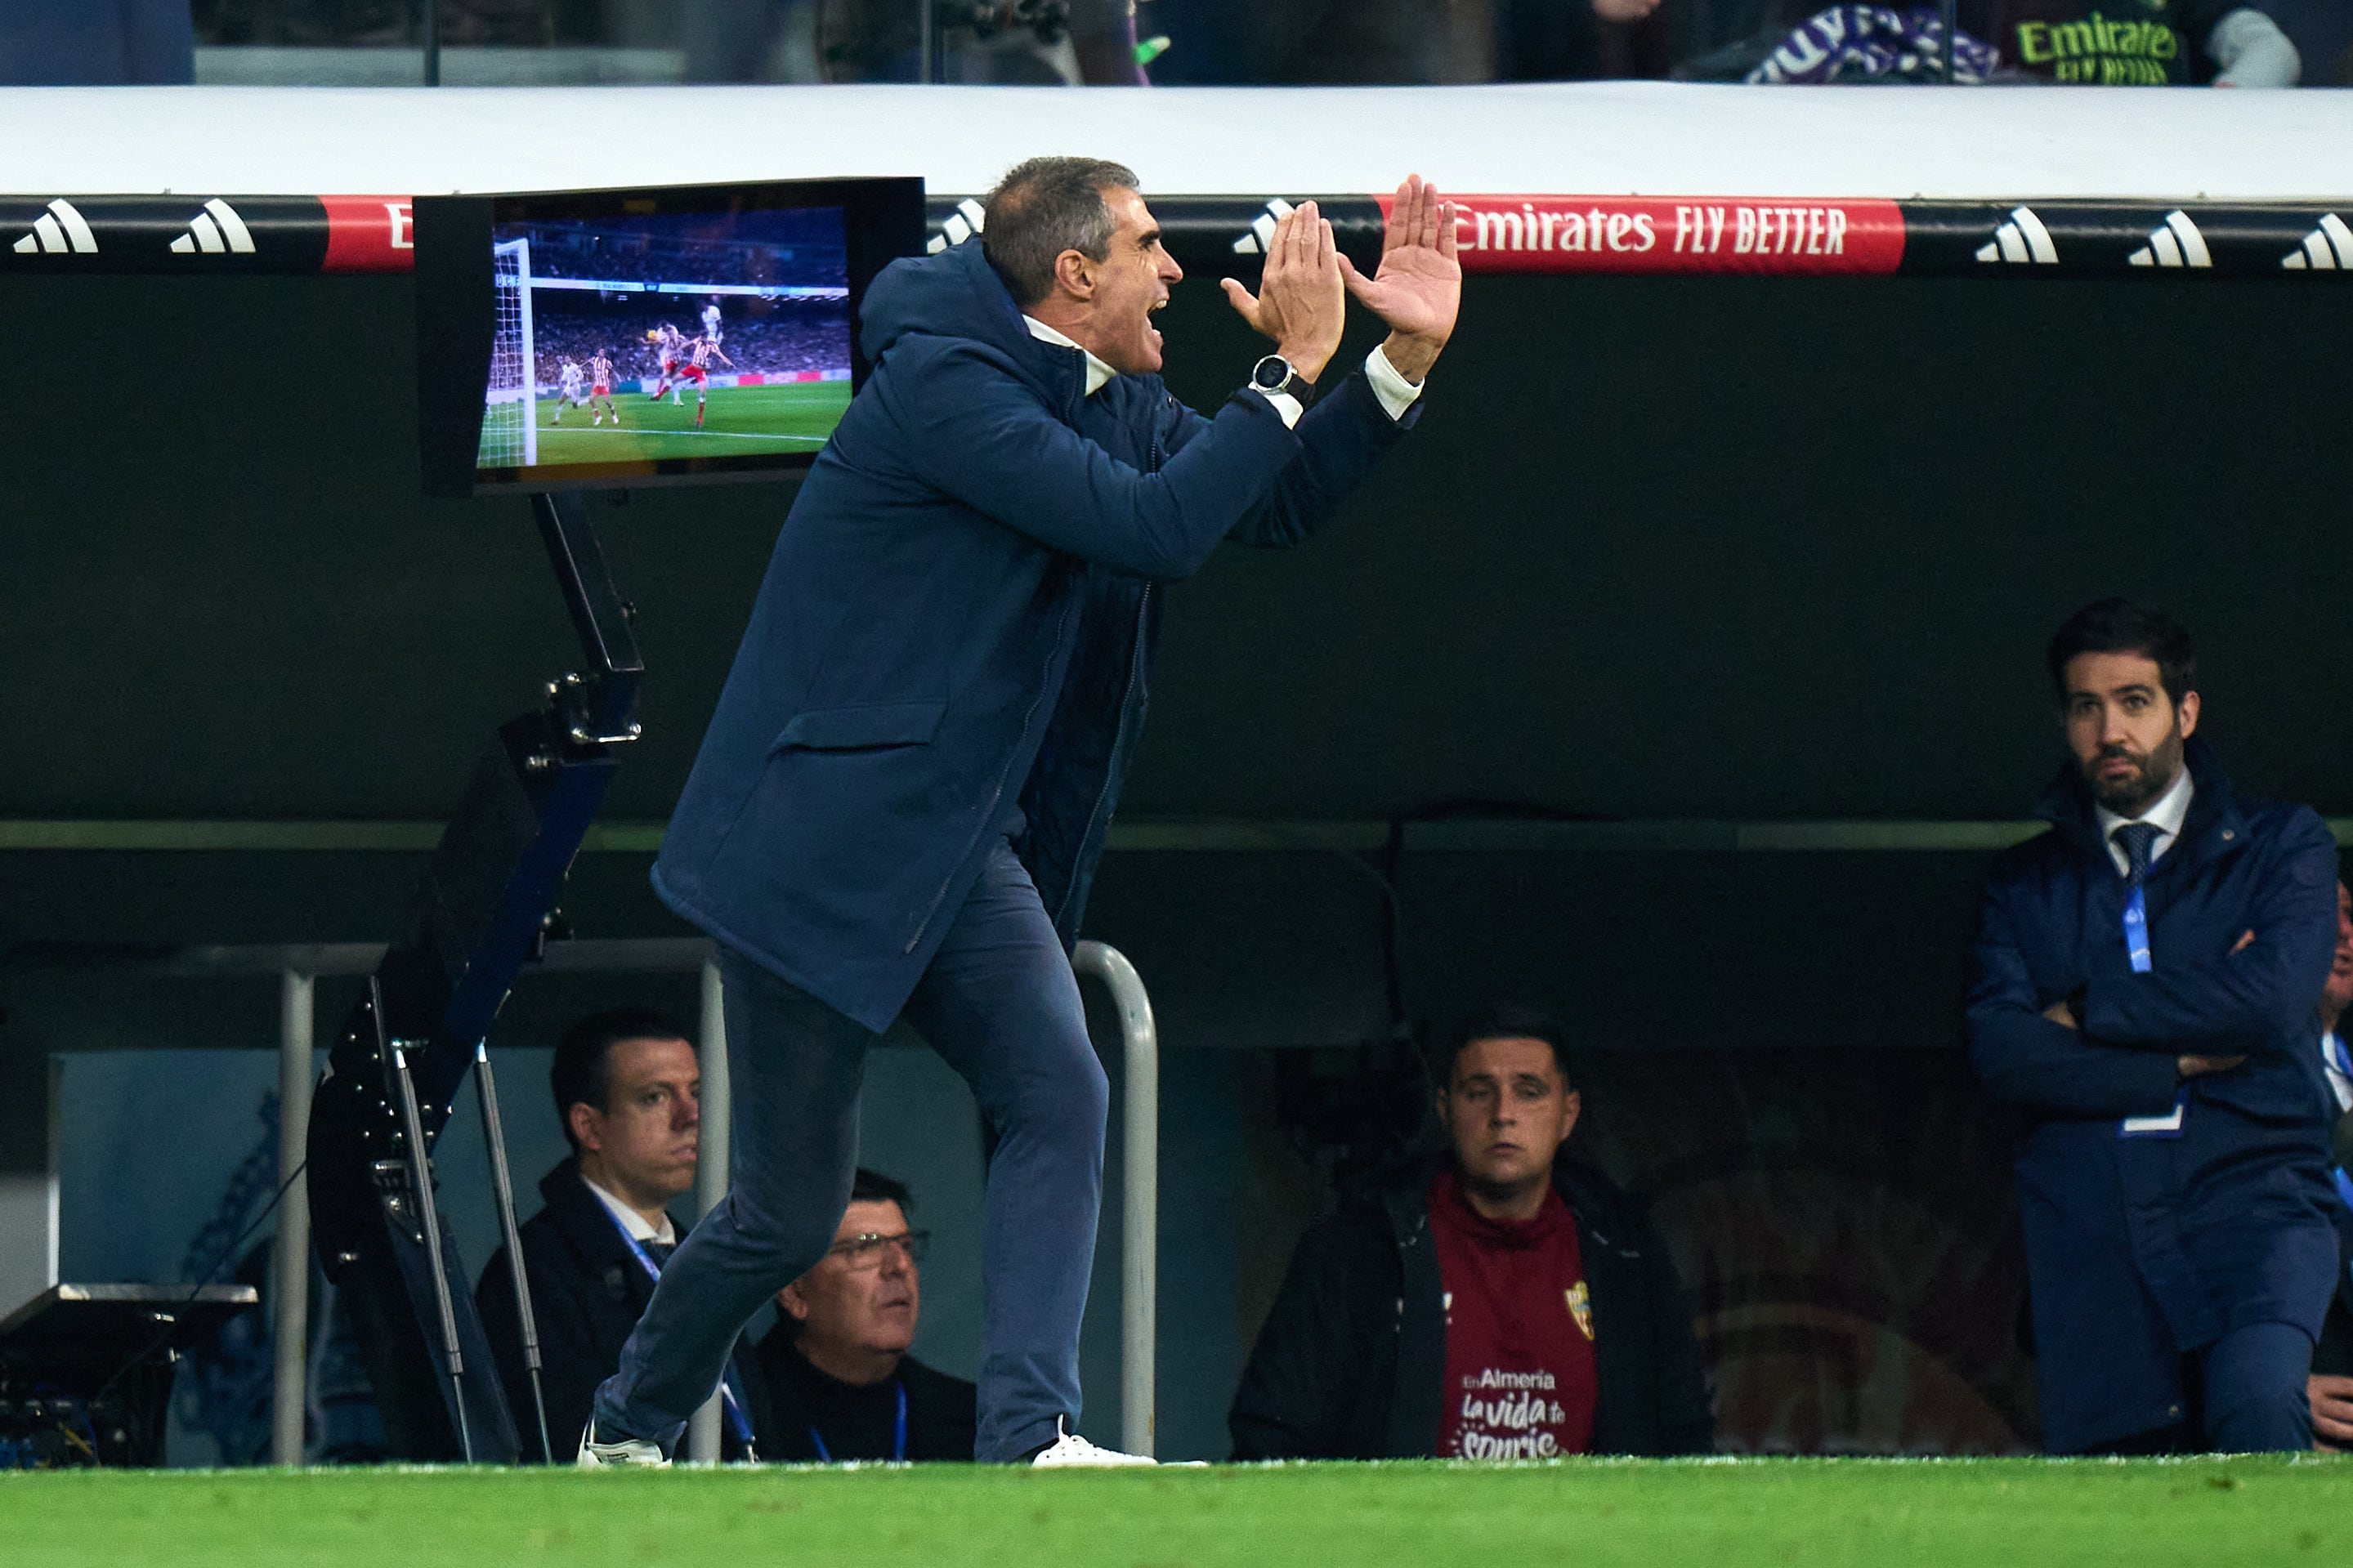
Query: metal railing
[[1139, 1269], [298, 968]]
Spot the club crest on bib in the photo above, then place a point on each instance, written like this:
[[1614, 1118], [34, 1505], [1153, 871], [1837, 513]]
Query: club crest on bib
[[1580, 1307]]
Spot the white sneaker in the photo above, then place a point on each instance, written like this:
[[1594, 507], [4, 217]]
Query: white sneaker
[[596, 1456], [1072, 1451]]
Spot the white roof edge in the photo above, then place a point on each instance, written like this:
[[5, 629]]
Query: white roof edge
[[1597, 138]]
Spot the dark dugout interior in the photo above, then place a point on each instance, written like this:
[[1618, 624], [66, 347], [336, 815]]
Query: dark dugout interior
[[1662, 551]]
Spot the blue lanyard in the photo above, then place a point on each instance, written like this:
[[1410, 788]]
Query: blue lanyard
[[898, 1432], [2136, 950], [2136, 931], [736, 1416], [2344, 1060]]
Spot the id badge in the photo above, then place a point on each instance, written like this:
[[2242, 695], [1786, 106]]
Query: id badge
[[2166, 1126]]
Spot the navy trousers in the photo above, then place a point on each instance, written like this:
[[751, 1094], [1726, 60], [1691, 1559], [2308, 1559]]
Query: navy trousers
[[1001, 1004], [2252, 1383], [2254, 1386]]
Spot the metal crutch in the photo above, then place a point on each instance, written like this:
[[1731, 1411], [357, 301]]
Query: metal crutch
[[502, 1186], [420, 1173]]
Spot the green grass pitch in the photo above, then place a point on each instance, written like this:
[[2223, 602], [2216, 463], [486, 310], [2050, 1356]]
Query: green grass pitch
[[741, 420], [2000, 1514]]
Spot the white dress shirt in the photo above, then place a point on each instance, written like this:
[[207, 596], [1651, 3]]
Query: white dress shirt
[[2337, 1081], [2165, 813], [1395, 391], [631, 1221]]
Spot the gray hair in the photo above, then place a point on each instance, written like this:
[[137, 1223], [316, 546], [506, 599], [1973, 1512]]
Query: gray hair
[[1044, 207]]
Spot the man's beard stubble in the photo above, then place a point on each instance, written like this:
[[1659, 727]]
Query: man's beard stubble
[[2153, 775]]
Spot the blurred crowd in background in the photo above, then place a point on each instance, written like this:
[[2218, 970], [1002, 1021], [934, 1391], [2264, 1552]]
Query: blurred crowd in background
[[764, 337], [2227, 43]]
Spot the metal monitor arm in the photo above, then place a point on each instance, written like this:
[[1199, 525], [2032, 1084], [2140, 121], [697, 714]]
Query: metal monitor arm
[[478, 914]]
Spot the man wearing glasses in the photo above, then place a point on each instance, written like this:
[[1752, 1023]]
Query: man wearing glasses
[[841, 1385]]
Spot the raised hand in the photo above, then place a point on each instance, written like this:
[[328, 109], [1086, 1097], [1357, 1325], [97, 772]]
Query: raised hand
[[1418, 290], [1300, 302]]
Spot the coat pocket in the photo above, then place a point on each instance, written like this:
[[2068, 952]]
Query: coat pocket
[[860, 729]]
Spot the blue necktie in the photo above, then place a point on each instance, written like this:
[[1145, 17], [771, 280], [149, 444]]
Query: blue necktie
[[2136, 840]]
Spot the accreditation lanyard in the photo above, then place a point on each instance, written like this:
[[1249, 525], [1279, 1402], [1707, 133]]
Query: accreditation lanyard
[[2343, 1059], [898, 1432], [2136, 950], [2136, 930], [735, 1417]]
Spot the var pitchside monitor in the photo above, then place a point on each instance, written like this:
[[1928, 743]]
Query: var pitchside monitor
[[631, 337]]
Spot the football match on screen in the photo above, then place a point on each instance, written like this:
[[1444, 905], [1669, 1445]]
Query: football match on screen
[[666, 336]]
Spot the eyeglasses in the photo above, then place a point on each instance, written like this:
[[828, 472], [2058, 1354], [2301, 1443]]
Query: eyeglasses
[[866, 1251]]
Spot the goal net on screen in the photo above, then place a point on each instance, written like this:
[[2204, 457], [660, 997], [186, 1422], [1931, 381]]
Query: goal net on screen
[[511, 412]]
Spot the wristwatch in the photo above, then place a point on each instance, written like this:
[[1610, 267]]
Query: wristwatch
[[1275, 375]]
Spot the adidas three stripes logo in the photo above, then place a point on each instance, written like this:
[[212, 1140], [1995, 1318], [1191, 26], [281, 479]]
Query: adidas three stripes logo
[[57, 230], [2327, 247], [2176, 242], [213, 230], [2023, 239], [961, 226], [1261, 228]]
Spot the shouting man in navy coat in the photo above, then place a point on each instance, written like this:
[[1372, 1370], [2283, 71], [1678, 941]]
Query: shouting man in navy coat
[[904, 791], [2143, 986]]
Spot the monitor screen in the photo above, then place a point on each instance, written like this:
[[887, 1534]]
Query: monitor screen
[[620, 337]]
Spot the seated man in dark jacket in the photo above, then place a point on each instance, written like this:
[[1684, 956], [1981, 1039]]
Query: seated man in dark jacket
[[1500, 1304], [840, 1383], [627, 1087]]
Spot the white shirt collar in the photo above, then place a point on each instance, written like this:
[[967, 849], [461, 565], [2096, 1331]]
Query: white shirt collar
[[631, 1221], [2165, 814], [1098, 372]]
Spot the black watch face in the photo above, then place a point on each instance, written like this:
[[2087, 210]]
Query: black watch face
[[1270, 375]]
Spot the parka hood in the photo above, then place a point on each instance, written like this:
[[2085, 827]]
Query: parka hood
[[954, 293]]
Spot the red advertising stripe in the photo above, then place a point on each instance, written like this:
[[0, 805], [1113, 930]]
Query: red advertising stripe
[[1532, 234], [369, 234]]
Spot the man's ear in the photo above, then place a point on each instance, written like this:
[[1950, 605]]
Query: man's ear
[[2186, 714], [790, 1300], [1074, 273], [587, 1125], [1574, 1107]]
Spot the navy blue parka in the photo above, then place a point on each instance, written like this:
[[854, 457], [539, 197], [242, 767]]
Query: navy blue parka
[[2143, 1249], [955, 637]]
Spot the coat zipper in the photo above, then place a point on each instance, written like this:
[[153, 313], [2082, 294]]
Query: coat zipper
[[1135, 669], [1071, 417], [1094, 817]]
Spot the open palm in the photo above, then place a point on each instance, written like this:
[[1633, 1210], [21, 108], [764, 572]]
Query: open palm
[[1418, 288]]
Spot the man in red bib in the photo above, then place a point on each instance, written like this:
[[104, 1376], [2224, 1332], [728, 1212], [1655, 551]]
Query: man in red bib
[[1520, 1378], [1504, 1304]]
